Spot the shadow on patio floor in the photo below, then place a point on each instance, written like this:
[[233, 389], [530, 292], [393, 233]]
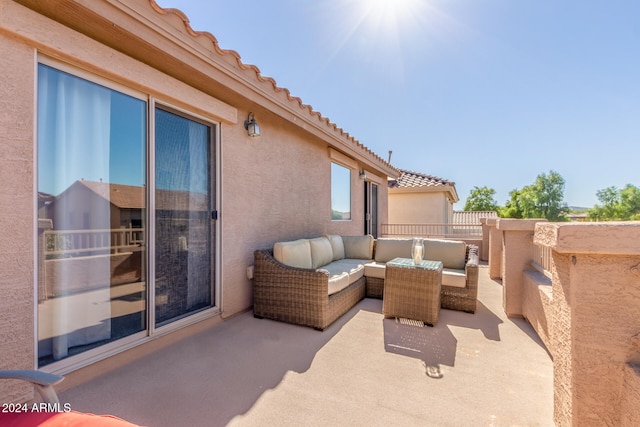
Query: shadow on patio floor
[[362, 370]]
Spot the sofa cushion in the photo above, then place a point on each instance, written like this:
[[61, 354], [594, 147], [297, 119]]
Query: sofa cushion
[[321, 252], [455, 278], [337, 246], [375, 269], [358, 247], [338, 282], [343, 272], [450, 252], [353, 267], [296, 253], [388, 249]]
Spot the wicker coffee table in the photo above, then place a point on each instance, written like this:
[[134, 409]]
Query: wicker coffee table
[[412, 291]]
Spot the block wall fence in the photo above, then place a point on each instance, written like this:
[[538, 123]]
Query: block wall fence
[[586, 310]]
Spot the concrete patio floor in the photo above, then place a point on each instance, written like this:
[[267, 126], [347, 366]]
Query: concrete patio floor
[[469, 370]]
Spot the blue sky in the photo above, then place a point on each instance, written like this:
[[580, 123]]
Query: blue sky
[[479, 92]]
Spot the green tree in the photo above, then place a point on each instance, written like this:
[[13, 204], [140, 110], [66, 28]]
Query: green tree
[[617, 204], [548, 196], [542, 199], [630, 199], [606, 211], [481, 199], [512, 208]]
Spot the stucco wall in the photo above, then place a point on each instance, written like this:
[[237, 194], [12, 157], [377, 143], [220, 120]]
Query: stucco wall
[[275, 188], [595, 329], [417, 208], [561, 340], [537, 301], [604, 320], [631, 396], [517, 246], [16, 211], [495, 249]]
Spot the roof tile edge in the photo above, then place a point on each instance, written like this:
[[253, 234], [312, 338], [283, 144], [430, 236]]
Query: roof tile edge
[[293, 99]]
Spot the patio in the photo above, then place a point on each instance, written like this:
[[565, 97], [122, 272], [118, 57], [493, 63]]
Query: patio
[[482, 369]]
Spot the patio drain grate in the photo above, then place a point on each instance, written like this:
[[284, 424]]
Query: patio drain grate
[[404, 321]]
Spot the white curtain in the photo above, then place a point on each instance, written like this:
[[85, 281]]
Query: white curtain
[[73, 144], [74, 118]]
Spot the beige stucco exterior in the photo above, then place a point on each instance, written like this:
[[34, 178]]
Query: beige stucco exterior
[[419, 206], [517, 237], [495, 248], [595, 328], [586, 312], [271, 188]]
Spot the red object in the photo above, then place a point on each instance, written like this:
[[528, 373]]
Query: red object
[[59, 419]]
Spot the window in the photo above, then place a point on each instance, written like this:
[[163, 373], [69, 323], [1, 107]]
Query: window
[[340, 192]]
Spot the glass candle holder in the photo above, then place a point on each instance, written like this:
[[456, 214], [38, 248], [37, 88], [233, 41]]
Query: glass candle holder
[[417, 251]]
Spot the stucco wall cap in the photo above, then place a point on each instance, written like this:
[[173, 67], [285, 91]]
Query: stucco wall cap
[[616, 238], [492, 221], [512, 224]]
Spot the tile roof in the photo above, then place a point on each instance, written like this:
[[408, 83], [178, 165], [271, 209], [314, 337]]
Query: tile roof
[[416, 179], [134, 197], [122, 196], [231, 56]]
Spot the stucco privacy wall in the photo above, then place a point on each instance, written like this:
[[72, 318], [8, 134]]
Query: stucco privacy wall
[[495, 249], [537, 304], [272, 188], [16, 211], [517, 239], [595, 327]]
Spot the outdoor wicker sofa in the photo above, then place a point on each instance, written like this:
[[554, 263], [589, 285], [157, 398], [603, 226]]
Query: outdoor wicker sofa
[[459, 276], [312, 282]]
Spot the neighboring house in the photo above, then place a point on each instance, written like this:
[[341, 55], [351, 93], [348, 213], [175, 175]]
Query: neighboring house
[[141, 131], [87, 205], [578, 217], [417, 198]]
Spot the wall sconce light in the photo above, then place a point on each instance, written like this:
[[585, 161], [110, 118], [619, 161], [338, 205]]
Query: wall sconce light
[[363, 175], [251, 126]]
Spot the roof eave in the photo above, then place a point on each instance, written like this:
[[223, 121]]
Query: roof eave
[[196, 58]]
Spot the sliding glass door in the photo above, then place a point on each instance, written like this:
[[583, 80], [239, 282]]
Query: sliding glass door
[[125, 217], [371, 209], [183, 217]]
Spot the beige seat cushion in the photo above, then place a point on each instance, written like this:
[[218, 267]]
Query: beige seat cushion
[[450, 252], [321, 252], [388, 249], [450, 277], [338, 282], [455, 278], [343, 272], [337, 246], [353, 267], [375, 269], [296, 253], [358, 247]]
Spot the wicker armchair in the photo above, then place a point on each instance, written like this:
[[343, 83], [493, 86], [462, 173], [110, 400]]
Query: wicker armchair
[[463, 299], [298, 295]]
